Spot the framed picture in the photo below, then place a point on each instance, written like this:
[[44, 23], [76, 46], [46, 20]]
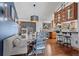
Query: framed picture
[[46, 26]]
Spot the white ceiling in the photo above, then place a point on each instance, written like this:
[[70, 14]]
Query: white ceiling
[[44, 10]]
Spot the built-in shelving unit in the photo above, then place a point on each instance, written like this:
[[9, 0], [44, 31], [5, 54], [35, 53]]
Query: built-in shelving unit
[[68, 25]]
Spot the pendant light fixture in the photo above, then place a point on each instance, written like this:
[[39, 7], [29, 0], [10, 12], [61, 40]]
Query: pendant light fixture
[[34, 17]]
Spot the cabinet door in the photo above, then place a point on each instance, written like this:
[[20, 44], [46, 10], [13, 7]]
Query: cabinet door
[[72, 12], [59, 16], [64, 15]]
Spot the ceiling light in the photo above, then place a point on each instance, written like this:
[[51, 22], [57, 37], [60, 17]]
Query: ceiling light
[[34, 17]]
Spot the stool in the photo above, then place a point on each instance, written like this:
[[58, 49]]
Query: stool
[[67, 41], [60, 39]]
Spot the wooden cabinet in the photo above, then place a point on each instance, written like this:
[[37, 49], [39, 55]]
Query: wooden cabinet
[[72, 12], [66, 14]]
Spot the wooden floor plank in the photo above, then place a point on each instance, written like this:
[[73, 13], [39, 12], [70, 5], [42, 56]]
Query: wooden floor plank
[[54, 49]]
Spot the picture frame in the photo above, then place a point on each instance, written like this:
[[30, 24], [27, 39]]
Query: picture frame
[[46, 26]]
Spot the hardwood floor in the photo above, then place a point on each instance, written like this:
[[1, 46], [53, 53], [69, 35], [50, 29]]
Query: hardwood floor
[[54, 49]]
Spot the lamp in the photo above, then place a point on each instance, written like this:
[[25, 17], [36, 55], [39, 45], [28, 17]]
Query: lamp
[[34, 17]]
